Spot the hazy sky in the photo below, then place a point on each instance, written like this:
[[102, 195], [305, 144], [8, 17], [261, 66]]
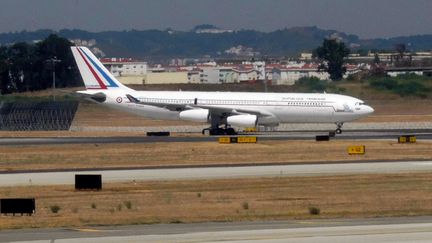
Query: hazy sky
[[366, 18]]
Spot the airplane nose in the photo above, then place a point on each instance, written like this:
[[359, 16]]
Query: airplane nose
[[369, 110]]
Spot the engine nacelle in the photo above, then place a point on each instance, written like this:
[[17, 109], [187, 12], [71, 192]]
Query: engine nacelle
[[197, 115], [242, 120]]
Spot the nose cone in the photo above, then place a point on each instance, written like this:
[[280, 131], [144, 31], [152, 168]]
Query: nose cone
[[368, 110]]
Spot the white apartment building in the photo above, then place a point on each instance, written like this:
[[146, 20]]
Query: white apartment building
[[245, 73], [288, 75], [125, 66], [209, 75]]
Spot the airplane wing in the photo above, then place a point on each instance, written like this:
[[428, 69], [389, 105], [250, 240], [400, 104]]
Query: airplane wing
[[230, 111], [168, 106], [219, 110]]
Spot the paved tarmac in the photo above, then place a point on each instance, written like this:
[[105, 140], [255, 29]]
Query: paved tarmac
[[194, 173], [296, 135], [349, 126], [405, 229]]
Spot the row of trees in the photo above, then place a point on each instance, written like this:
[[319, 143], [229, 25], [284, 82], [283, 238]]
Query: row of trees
[[29, 67]]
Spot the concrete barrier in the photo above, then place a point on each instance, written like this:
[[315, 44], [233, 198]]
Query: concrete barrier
[[322, 138], [18, 206], [88, 182]]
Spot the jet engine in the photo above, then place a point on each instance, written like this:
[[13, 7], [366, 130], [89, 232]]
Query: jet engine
[[242, 120], [195, 115]]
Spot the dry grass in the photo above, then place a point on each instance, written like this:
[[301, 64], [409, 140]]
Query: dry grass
[[225, 200], [90, 114], [194, 153]]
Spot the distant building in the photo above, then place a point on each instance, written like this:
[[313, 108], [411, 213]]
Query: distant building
[[210, 29], [288, 75], [193, 76], [245, 73], [396, 71], [166, 78], [125, 66], [226, 75], [209, 75], [305, 56]]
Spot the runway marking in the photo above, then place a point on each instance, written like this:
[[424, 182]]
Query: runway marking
[[87, 230], [424, 163], [318, 222]]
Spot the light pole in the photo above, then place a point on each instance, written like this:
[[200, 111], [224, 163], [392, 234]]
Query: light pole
[[54, 60]]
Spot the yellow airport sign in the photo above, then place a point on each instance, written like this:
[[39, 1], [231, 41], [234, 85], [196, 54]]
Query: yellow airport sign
[[402, 139], [358, 149], [242, 139], [224, 140], [407, 139], [248, 139], [250, 129]]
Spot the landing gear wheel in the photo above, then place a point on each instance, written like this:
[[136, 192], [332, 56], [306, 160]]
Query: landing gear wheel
[[206, 131], [217, 131], [338, 129], [230, 131]]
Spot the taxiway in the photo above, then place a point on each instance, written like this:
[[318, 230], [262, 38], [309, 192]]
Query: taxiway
[[404, 229], [220, 172]]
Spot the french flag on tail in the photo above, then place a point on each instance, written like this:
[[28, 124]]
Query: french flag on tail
[[93, 72]]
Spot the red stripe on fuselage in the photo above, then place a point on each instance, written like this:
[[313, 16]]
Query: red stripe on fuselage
[[101, 83]]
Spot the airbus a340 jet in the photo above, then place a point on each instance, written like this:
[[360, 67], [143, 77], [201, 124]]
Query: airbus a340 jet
[[222, 110]]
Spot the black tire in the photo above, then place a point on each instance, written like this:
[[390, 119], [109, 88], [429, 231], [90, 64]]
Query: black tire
[[213, 132], [231, 131], [216, 131], [338, 131], [207, 131]]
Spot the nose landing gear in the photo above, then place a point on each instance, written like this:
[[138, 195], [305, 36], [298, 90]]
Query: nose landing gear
[[338, 129]]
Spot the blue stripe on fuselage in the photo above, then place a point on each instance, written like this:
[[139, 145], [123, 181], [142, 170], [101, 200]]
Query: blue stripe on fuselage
[[110, 81]]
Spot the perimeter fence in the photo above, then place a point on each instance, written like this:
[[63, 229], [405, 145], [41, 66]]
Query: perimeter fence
[[37, 116]]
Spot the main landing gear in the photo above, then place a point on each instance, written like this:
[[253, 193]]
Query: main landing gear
[[219, 131], [215, 129], [338, 129]]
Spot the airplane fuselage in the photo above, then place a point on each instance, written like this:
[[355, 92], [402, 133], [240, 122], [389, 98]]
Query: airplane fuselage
[[280, 107], [221, 109]]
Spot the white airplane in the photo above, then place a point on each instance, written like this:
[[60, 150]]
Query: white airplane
[[221, 109]]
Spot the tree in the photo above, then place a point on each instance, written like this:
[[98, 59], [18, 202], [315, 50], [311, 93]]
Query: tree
[[377, 60], [21, 58], [27, 67], [333, 53], [58, 48], [4, 70], [400, 49]]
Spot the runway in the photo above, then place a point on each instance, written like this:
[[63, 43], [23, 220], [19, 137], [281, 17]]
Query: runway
[[196, 173], [406, 229], [297, 135]]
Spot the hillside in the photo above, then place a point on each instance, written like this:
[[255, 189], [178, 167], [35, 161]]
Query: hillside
[[154, 44]]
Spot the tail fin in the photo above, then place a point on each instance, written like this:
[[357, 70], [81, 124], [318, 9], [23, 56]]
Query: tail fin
[[93, 73]]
